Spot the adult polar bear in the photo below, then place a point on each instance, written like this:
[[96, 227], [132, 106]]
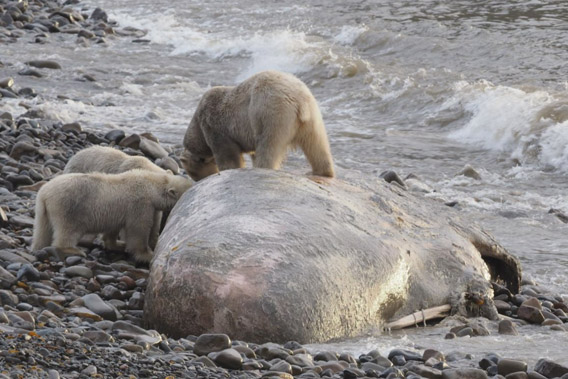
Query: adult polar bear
[[264, 115]]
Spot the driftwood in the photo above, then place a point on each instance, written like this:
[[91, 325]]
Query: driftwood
[[420, 316]]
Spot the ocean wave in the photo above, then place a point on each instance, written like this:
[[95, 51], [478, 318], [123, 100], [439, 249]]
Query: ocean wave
[[531, 125]]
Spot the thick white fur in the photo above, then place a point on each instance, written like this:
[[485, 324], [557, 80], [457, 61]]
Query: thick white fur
[[113, 161], [107, 160], [71, 205], [265, 115]]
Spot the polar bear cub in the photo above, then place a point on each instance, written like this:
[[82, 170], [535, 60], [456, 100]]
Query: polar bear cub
[[107, 160], [264, 116], [71, 205], [113, 161]]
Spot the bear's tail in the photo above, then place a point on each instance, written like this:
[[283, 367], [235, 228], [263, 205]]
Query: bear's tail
[[312, 139], [42, 235]]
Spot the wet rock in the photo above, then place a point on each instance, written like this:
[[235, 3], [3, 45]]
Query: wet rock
[[99, 14], [73, 126], [391, 176], [127, 330], [8, 298], [6, 278], [8, 93], [507, 366], [96, 304], [462, 373], [550, 369], [30, 72], [407, 354], [19, 180], [21, 148], [132, 141], [530, 314], [44, 64], [152, 149], [168, 163], [326, 356], [29, 273], [78, 270], [6, 83], [98, 336], [228, 358], [558, 213], [115, 135], [470, 172], [508, 328], [209, 343]]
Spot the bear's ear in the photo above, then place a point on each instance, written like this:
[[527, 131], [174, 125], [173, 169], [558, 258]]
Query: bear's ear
[[172, 192], [169, 171]]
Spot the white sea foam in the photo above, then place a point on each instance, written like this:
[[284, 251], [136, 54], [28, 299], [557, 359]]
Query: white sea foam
[[283, 50], [512, 120], [349, 34]]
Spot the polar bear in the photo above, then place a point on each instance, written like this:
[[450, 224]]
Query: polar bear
[[71, 205], [113, 161], [107, 160], [264, 115]]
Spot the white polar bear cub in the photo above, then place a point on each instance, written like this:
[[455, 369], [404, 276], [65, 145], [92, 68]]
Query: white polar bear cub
[[107, 160], [71, 205], [113, 161]]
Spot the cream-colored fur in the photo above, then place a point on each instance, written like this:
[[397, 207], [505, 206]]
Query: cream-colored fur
[[71, 205], [107, 160], [265, 115], [113, 161]]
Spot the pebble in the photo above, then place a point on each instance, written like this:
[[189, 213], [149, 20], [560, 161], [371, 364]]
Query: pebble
[[228, 358], [44, 64], [152, 149], [550, 369], [79, 270], [94, 303], [507, 366], [208, 343]]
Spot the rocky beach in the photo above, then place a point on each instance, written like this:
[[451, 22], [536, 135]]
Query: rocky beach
[[79, 317]]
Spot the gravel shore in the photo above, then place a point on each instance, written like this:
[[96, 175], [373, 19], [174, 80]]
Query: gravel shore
[[83, 316]]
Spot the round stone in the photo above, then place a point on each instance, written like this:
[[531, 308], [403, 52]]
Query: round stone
[[208, 343]]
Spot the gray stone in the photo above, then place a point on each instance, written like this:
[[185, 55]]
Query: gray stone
[[470, 172], [281, 366], [407, 354], [99, 306], [6, 82], [73, 126], [21, 148], [530, 314], [321, 223], [152, 149], [550, 369], [228, 358], [127, 330], [508, 328], [8, 298], [132, 141], [78, 270], [44, 64], [507, 366], [302, 360], [98, 336], [464, 373], [209, 343], [99, 14], [168, 163], [115, 135], [205, 361]]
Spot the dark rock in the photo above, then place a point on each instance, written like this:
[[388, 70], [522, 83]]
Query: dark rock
[[8, 93], [282, 366], [99, 14], [96, 304], [132, 141], [44, 64], [6, 82], [530, 314], [152, 149], [30, 72], [507, 366], [550, 369], [21, 148], [115, 135], [168, 163], [391, 176], [208, 343], [326, 356], [73, 126], [29, 273], [464, 373], [508, 328]]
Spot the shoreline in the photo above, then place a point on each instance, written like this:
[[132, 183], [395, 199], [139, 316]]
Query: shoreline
[[81, 317]]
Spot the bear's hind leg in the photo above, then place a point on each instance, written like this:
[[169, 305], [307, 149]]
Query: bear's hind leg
[[66, 239], [273, 142]]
